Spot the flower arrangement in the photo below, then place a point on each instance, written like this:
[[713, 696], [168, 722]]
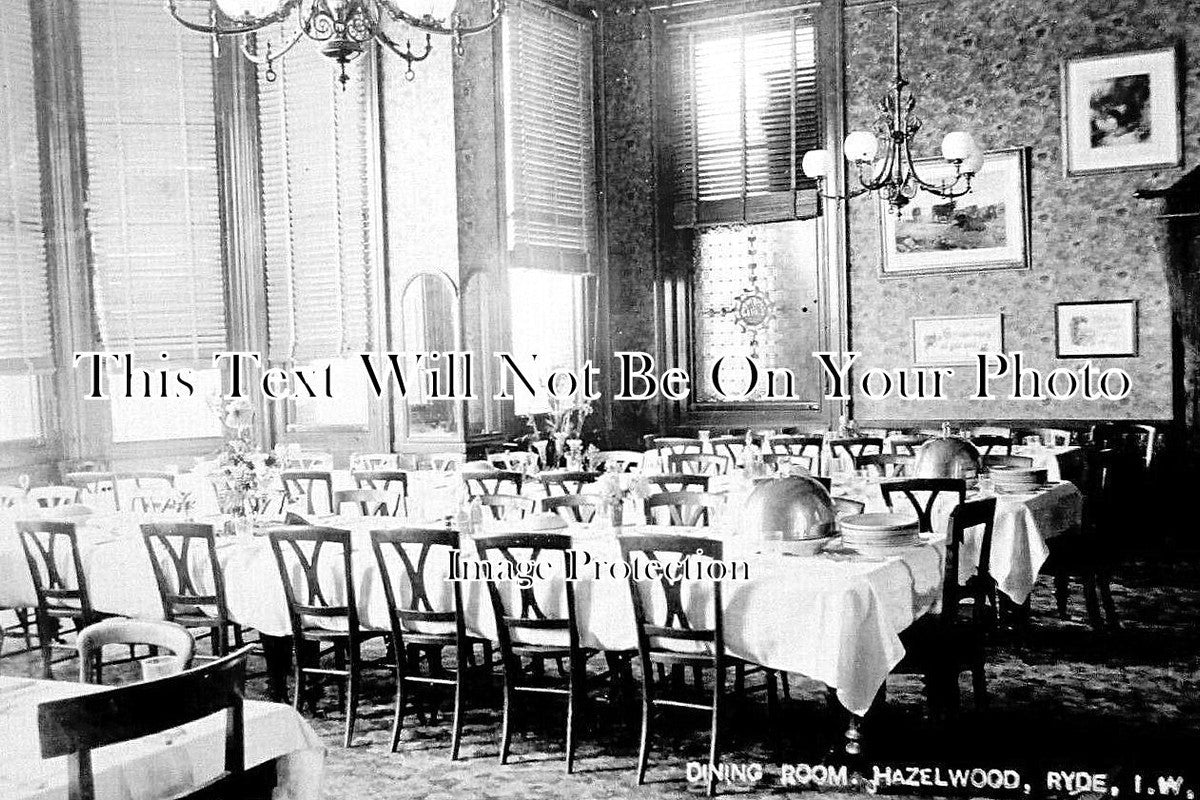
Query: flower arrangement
[[242, 475], [561, 424], [614, 488]]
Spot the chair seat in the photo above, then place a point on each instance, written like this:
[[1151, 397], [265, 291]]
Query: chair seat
[[700, 659], [328, 635], [541, 650], [199, 621]]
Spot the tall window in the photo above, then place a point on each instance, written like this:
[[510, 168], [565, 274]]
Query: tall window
[[153, 203], [25, 345], [745, 110], [550, 153], [317, 203]]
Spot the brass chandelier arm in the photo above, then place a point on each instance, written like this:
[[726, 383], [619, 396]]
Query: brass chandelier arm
[[270, 56], [234, 29], [943, 189], [456, 26], [407, 53]]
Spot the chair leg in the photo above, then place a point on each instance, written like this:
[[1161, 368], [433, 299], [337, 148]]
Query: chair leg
[[351, 690], [506, 724], [714, 749], [1062, 593], [1110, 608], [298, 673], [217, 640], [398, 713], [456, 731], [979, 683], [44, 639], [572, 701], [1092, 601], [23, 621], [787, 689], [647, 714], [739, 679]]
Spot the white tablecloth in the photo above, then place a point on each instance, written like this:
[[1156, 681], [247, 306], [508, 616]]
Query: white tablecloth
[[156, 766], [833, 620], [1023, 525]]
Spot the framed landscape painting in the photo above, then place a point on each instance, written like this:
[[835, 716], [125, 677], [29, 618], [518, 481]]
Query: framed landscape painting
[[1121, 112], [987, 228], [1096, 328], [939, 341]]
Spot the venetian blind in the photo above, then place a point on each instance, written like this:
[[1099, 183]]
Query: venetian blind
[[746, 107], [317, 206], [153, 202], [25, 299], [549, 137]]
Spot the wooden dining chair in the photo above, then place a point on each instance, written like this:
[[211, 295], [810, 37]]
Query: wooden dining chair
[[411, 564], [577, 508], [99, 486], [11, 497], [183, 556], [507, 506], [673, 635], [309, 462], [1090, 553], [168, 636], [566, 481], [53, 496], [523, 461], [368, 502], [370, 462], [388, 480], [148, 479], [62, 594], [802, 449], [678, 482], [533, 629], [907, 444], [993, 460], [485, 481], [76, 726], [617, 460], [951, 639], [698, 464], [855, 447], [988, 444], [682, 508], [446, 462], [304, 486], [317, 594], [922, 494], [730, 446], [675, 445], [888, 465]]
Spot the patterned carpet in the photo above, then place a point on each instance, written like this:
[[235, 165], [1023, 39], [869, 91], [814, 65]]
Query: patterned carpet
[[1063, 697]]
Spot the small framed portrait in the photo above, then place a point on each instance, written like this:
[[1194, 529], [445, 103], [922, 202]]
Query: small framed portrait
[[1099, 328], [939, 341], [984, 229], [1121, 112]]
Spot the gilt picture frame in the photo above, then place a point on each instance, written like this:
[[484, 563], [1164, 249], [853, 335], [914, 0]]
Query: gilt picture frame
[[1122, 112], [985, 229]]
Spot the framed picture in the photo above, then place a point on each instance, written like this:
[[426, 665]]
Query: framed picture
[[987, 228], [1096, 328], [1121, 112], [941, 341]]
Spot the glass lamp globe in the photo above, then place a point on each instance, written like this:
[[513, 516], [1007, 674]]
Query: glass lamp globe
[[861, 146], [242, 9]]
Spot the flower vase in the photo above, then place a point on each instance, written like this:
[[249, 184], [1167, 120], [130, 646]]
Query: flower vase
[[616, 515]]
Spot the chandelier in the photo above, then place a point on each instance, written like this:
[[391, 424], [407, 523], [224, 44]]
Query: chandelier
[[343, 28], [894, 176]]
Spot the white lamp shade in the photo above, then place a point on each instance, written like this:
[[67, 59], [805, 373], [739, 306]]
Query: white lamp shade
[[240, 9], [817, 164], [957, 145], [861, 146], [437, 9], [972, 163]]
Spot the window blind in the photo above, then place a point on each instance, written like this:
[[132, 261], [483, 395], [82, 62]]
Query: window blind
[[153, 206], [317, 206], [746, 107], [549, 137], [25, 344]]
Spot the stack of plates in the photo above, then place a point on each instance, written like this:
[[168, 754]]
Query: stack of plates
[[878, 533], [1015, 480]]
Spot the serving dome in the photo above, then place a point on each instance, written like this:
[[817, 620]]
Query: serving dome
[[797, 506]]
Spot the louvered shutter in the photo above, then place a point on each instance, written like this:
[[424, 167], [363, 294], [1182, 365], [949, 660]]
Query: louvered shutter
[[153, 202], [745, 109], [549, 137], [25, 344], [316, 205]]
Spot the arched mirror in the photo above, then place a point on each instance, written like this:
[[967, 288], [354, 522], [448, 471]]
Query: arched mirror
[[429, 323]]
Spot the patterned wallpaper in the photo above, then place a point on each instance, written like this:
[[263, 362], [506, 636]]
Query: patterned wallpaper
[[992, 67]]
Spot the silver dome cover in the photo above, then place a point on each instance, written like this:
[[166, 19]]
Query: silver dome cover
[[797, 506], [947, 457]]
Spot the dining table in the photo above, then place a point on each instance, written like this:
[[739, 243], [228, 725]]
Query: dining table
[[161, 765]]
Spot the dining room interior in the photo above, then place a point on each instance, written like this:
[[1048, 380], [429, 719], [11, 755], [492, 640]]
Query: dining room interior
[[599, 398]]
